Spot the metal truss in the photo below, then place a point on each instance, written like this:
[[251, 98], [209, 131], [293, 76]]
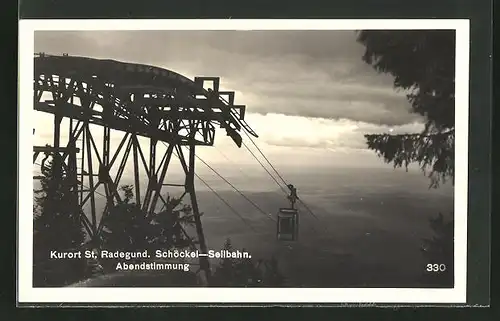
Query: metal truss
[[131, 101]]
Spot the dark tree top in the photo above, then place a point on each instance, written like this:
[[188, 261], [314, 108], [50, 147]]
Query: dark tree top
[[423, 65]]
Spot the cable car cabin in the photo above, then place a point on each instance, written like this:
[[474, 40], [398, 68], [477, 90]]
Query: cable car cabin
[[288, 224]]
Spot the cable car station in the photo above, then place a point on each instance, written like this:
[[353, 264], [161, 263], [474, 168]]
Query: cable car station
[[130, 101]]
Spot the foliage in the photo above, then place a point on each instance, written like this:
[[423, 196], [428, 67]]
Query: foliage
[[440, 250], [246, 273], [127, 227], [433, 153], [423, 64], [421, 61], [57, 227]]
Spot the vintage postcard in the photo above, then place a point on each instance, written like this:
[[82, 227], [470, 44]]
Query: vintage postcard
[[243, 161]]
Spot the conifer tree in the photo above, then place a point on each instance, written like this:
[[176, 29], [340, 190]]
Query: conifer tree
[[127, 227], [423, 64], [57, 227], [244, 272]]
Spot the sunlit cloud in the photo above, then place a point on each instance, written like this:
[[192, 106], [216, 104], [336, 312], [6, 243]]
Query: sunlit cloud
[[309, 96]]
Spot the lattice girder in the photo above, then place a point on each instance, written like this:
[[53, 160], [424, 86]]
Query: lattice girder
[[148, 101]]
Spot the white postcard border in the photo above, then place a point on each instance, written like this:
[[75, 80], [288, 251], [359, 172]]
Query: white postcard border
[[28, 294]]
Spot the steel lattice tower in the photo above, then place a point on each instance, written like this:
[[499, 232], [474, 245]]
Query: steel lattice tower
[[129, 100]]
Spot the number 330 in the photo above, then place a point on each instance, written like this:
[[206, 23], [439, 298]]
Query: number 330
[[436, 267]]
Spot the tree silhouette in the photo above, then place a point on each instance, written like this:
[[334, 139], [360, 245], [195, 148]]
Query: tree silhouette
[[246, 273], [57, 227], [423, 64], [128, 228], [439, 250]]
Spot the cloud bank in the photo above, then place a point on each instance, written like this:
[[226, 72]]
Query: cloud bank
[[307, 89]]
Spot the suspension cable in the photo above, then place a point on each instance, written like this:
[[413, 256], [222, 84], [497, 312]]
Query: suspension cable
[[230, 161], [237, 190], [262, 165], [239, 169], [226, 203], [234, 187], [242, 172], [222, 199], [208, 186], [260, 151], [277, 173]]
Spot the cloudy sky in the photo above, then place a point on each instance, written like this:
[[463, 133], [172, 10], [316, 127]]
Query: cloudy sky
[[308, 94]]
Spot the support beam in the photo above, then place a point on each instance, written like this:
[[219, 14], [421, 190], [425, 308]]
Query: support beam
[[50, 149], [167, 107], [156, 183], [204, 263], [91, 183], [136, 175]]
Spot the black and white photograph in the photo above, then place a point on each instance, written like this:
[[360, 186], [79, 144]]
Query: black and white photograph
[[291, 161]]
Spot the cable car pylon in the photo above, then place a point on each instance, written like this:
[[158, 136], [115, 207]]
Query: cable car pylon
[[107, 98]]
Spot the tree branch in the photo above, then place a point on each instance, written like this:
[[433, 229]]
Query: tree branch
[[434, 153]]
